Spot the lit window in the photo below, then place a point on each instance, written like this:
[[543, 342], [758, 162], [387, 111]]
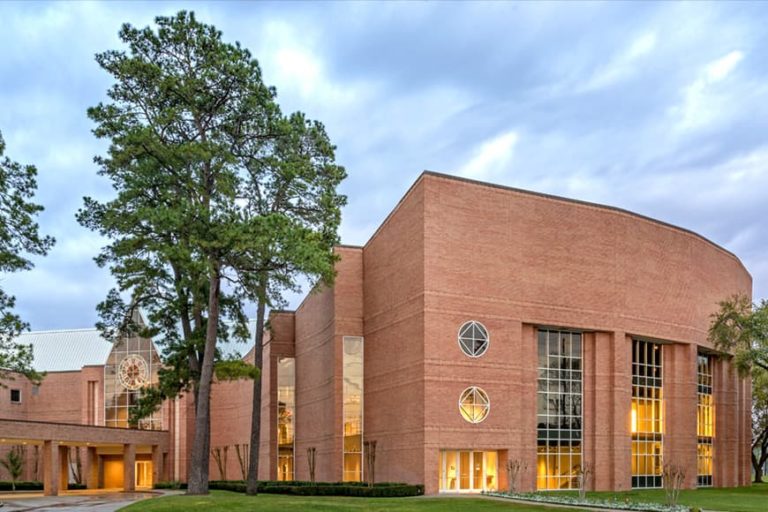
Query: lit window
[[647, 414], [473, 339], [559, 409], [705, 422], [16, 396], [286, 421], [352, 408], [474, 404], [132, 364]]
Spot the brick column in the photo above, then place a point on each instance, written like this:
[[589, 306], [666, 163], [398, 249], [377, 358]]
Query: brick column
[[725, 424], [63, 468], [92, 468], [680, 398], [129, 467], [621, 436], [527, 386], [51, 468], [157, 464], [607, 404]]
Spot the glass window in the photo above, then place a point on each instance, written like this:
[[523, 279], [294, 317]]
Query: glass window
[[473, 339], [474, 404], [286, 417], [132, 365], [16, 396], [647, 414], [467, 471], [705, 422], [353, 408], [559, 409]]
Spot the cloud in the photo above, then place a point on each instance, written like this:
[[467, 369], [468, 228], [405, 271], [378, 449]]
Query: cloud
[[703, 101], [623, 65], [661, 108], [491, 158]]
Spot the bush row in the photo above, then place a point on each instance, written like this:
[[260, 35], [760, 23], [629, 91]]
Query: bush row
[[301, 488], [33, 485]]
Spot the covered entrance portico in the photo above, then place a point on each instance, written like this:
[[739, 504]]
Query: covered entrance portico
[[113, 455]]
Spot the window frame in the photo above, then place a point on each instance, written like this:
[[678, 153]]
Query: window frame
[[17, 390], [485, 346], [475, 390]]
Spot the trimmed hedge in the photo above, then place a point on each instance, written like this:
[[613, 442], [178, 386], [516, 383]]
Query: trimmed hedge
[[170, 485], [302, 488], [33, 485]]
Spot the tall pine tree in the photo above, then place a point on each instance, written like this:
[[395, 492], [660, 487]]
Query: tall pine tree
[[19, 238], [194, 134]]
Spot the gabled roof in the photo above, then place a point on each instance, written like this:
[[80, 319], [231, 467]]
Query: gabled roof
[[66, 350]]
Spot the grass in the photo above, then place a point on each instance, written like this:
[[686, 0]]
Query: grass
[[731, 499], [735, 499], [222, 500]]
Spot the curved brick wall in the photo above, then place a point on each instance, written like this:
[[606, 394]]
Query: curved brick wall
[[454, 250]]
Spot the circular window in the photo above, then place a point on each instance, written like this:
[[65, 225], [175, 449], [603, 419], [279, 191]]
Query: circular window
[[473, 339], [474, 404]]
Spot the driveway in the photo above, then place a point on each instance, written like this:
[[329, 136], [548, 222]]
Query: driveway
[[80, 500]]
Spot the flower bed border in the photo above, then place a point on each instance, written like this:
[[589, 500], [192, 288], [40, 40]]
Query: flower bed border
[[596, 503]]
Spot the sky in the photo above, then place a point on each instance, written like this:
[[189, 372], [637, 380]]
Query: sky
[[658, 108]]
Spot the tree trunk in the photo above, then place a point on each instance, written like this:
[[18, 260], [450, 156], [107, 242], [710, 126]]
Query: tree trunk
[[258, 361], [201, 445], [758, 463]]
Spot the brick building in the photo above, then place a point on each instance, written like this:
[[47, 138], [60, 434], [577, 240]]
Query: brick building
[[482, 324], [479, 325]]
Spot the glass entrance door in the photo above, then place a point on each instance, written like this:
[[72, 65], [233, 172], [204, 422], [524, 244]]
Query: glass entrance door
[[143, 474], [467, 471]]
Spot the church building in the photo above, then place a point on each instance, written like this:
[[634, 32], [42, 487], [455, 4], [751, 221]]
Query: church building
[[480, 326]]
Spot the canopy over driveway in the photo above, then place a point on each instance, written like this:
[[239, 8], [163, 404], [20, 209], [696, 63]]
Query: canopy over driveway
[[99, 442]]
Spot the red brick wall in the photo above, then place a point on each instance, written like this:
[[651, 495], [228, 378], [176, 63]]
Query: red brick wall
[[395, 399], [515, 260]]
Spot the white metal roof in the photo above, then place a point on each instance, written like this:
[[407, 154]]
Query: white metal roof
[[235, 348], [66, 350], [71, 349]]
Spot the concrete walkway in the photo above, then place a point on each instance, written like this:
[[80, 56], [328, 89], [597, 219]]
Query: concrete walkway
[[74, 500]]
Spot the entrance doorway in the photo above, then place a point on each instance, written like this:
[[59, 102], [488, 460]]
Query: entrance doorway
[[144, 474], [285, 467], [468, 471]]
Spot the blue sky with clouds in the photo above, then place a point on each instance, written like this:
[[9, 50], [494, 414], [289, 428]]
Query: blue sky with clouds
[[659, 108]]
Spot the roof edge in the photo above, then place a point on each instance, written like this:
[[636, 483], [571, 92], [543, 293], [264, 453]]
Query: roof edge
[[544, 195], [397, 206]]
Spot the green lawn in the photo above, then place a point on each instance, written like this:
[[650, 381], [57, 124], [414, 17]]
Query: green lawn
[[222, 500], [738, 499]]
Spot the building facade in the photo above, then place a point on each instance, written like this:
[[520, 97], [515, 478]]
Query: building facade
[[480, 327], [483, 326]]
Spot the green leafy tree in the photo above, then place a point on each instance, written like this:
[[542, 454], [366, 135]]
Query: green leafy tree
[[293, 201], [191, 126], [14, 464], [19, 239], [740, 328]]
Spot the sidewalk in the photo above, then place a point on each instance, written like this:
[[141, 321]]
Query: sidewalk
[[75, 500]]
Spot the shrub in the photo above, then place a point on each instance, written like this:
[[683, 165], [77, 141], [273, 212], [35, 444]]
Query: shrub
[[174, 484], [32, 485], [301, 488], [21, 486]]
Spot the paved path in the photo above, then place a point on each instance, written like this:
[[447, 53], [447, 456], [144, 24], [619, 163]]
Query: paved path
[[84, 501]]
